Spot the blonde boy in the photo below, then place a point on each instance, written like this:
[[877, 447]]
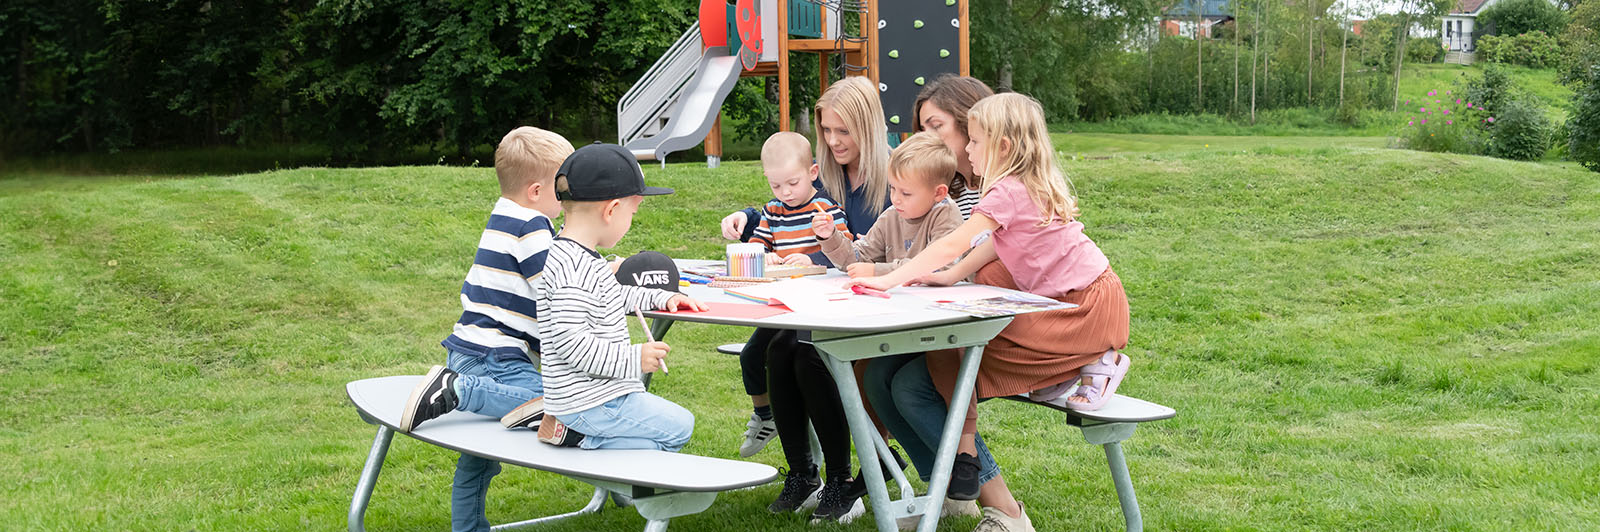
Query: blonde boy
[[593, 374], [785, 221], [919, 177], [489, 368]]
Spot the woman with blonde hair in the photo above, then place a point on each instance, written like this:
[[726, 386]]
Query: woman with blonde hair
[[1037, 246], [852, 151]]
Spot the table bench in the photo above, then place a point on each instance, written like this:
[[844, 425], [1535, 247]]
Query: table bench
[[662, 485], [1108, 427]]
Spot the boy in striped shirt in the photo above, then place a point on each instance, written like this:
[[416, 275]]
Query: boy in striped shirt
[[785, 226], [489, 369], [594, 390]]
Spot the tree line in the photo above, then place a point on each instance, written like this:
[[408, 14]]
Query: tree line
[[371, 78]]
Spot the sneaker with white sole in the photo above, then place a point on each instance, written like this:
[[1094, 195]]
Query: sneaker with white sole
[[433, 397], [554, 432], [995, 520], [525, 415], [757, 433], [835, 504], [800, 489]]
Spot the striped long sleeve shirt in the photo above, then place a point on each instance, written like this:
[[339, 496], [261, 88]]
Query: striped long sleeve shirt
[[786, 230], [588, 358], [499, 314]]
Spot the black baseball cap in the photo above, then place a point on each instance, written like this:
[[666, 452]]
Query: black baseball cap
[[600, 172], [649, 269]]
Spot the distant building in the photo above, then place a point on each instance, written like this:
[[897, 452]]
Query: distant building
[[1178, 20], [1460, 28]]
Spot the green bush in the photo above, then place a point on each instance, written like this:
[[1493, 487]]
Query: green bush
[[1521, 131], [1489, 90], [1516, 17], [1438, 123], [1535, 49], [1583, 125], [1423, 51]]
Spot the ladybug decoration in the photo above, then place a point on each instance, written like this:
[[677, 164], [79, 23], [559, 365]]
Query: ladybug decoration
[[747, 18]]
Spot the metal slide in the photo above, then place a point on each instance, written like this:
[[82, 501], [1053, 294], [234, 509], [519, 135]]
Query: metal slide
[[695, 108]]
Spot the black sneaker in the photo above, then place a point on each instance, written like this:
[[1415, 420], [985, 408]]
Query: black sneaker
[[433, 397], [799, 491], [554, 432], [836, 504], [964, 478], [858, 485], [525, 415]]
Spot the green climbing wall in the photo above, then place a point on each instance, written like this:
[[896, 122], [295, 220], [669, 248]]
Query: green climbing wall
[[917, 41]]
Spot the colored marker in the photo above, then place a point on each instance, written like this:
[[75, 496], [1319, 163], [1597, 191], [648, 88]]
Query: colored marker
[[869, 291]]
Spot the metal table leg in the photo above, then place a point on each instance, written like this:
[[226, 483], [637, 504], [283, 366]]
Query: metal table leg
[[369, 478]]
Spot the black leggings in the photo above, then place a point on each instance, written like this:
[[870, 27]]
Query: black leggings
[[753, 361], [803, 390]]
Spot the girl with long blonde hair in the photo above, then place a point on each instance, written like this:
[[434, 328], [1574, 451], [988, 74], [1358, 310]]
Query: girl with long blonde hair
[[1037, 245]]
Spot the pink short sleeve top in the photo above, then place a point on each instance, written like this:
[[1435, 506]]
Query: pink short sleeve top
[[1046, 260]]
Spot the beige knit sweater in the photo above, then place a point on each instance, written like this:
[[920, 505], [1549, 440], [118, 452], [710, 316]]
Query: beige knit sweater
[[893, 240]]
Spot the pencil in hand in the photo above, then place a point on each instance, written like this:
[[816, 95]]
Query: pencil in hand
[[650, 337]]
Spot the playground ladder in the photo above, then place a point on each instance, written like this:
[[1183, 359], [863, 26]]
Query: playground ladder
[[644, 109]]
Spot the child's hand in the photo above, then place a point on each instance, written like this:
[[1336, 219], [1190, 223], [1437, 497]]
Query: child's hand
[[774, 258], [938, 278], [733, 225], [861, 269], [875, 283], [651, 355], [822, 225], [798, 259], [683, 302]]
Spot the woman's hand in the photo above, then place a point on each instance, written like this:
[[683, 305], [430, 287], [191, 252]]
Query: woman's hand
[[733, 225]]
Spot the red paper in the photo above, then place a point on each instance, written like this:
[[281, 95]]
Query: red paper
[[738, 310]]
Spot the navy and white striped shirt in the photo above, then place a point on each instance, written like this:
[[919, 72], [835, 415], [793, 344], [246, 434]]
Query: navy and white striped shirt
[[499, 312], [588, 358]]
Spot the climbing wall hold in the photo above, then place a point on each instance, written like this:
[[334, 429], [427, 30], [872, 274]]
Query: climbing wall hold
[[894, 119], [883, 87], [883, 24], [944, 52], [955, 22], [918, 81], [916, 24], [894, 54]]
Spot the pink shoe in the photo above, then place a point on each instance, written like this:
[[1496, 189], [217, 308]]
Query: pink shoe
[[1103, 377]]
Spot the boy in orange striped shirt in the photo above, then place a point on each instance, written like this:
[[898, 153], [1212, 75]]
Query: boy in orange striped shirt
[[785, 226]]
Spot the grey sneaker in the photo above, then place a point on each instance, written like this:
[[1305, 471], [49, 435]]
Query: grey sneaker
[[757, 433], [525, 415], [995, 520]]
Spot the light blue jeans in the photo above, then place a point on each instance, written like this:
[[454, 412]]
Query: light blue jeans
[[639, 420], [903, 395], [492, 388]]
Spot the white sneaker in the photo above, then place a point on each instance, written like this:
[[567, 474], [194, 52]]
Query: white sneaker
[[952, 508], [756, 435], [995, 520]]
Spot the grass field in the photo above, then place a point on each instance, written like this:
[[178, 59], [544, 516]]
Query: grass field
[[1356, 338]]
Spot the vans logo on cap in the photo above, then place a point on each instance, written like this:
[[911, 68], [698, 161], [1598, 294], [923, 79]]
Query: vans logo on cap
[[651, 277]]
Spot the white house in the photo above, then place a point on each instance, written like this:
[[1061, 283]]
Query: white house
[[1458, 27]]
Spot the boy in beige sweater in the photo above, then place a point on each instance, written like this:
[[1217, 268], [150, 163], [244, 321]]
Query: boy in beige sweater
[[919, 177]]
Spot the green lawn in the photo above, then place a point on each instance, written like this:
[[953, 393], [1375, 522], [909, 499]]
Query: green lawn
[[1356, 338]]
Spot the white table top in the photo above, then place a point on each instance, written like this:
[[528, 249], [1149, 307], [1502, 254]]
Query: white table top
[[384, 398], [912, 310]]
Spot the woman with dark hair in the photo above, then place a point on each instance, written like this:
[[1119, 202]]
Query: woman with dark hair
[[942, 109]]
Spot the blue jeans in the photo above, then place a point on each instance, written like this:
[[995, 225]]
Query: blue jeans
[[639, 420], [492, 388], [903, 395]]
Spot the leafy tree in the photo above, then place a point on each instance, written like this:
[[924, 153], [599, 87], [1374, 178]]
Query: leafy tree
[[1516, 17], [1583, 126]]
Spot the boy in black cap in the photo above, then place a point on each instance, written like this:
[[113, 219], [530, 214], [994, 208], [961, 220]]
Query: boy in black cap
[[594, 395]]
